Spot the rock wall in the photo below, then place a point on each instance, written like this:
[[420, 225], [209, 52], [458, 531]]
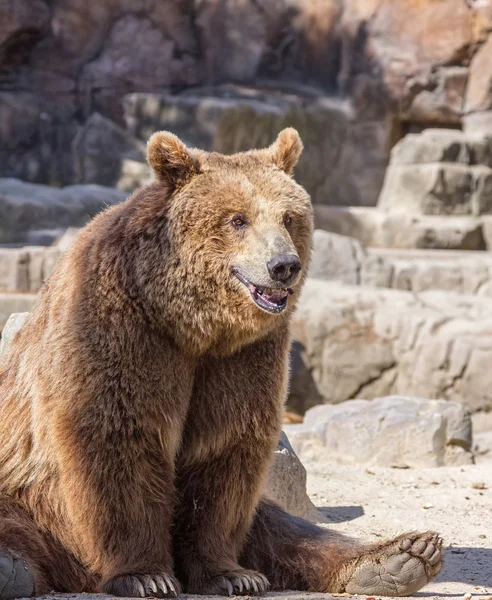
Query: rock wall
[[363, 342], [394, 67]]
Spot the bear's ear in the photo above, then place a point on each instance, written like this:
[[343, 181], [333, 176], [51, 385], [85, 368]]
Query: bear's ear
[[286, 150], [171, 160]]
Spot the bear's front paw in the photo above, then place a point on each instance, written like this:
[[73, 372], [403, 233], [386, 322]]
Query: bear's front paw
[[159, 585], [232, 583]]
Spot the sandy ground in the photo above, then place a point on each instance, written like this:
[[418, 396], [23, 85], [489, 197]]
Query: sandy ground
[[377, 503]]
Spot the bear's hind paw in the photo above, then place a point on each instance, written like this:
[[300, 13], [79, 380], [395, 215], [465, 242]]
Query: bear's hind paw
[[399, 567]]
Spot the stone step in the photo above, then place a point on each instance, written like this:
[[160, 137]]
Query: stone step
[[376, 228], [15, 303], [29, 211], [342, 258]]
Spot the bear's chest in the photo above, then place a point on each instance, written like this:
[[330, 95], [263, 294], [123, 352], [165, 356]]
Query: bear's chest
[[236, 400]]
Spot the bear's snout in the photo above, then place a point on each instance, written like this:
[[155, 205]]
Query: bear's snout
[[284, 268]]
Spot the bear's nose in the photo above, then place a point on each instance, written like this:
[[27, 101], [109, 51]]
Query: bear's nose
[[284, 267]]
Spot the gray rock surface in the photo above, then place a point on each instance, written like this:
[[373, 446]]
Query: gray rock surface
[[334, 167], [286, 483], [26, 207], [336, 257], [26, 269], [380, 229], [99, 149], [14, 303], [365, 342], [442, 146], [437, 189], [395, 431], [463, 272], [12, 326], [134, 175]]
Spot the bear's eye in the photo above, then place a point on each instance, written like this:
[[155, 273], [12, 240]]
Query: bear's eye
[[287, 221], [239, 222]]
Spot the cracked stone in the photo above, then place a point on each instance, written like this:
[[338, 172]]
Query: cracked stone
[[391, 431]]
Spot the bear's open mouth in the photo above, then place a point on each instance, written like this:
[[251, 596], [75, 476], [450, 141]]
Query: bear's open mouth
[[271, 300]]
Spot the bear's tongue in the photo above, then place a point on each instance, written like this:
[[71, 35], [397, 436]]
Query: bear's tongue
[[273, 296]]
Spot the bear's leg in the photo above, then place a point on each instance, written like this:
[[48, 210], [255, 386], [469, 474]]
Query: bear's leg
[[295, 554], [31, 561], [232, 429], [210, 528]]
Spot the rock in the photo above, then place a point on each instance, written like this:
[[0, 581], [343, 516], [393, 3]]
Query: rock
[[380, 229], [25, 207], [134, 175], [286, 483], [303, 391], [99, 149], [22, 24], [366, 342], [64, 241], [35, 137], [479, 123], [229, 119], [442, 146], [482, 447], [26, 269], [11, 327], [409, 58], [462, 272], [437, 189], [395, 431], [479, 89], [376, 271], [336, 257], [15, 303]]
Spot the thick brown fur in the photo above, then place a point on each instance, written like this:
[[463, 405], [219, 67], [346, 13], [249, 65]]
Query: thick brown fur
[[142, 400]]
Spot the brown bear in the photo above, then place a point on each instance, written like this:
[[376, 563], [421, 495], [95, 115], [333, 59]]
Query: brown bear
[[142, 401]]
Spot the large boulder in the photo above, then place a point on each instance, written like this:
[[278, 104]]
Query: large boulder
[[26, 269], [28, 208], [437, 189], [411, 58], [365, 342], [442, 146], [395, 431]]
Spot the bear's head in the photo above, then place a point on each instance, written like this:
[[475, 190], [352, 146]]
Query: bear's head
[[239, 232]]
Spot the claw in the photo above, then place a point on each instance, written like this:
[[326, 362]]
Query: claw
[[237, 583], [152, 586], [171, 586], [140, 588], [265, 581], [161, 584]]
